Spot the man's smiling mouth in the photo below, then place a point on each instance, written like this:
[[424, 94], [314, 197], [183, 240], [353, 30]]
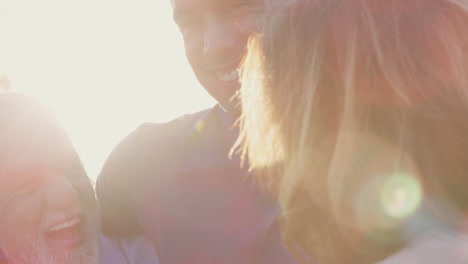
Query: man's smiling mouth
[[63, 224], [66, 232], [228, 76]]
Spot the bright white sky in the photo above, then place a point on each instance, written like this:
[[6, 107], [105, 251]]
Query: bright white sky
[[104, 66]]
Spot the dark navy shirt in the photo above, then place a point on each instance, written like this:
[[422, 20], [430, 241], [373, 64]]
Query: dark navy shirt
[[176, 183]]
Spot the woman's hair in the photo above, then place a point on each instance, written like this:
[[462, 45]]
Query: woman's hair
[[356, 111]]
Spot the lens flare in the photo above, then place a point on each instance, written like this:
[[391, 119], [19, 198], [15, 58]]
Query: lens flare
[[401, 195], [385, 204]]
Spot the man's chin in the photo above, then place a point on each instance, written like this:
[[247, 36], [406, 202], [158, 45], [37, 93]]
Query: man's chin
[[66, 240], [82, 243], [85, 253], [76, 241]]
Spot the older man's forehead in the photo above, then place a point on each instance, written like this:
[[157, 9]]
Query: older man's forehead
[[48, 146], [37, 167]]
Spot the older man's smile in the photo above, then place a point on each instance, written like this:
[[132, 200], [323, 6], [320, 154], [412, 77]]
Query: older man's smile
[[65, 233]]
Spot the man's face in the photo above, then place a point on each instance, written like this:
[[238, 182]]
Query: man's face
[[215, 34], [48, 209]]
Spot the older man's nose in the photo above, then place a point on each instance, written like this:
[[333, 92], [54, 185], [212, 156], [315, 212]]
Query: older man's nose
[[60, 194]]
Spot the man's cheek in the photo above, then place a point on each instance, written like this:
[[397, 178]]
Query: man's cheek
[[25, 215], [194, 58], [193, 49], [250, 24]]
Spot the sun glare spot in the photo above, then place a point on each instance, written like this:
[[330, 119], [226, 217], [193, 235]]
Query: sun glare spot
[[401, 195], [385, 204]]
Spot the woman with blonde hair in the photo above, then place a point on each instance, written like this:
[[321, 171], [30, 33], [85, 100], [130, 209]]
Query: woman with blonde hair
[[357, 110]]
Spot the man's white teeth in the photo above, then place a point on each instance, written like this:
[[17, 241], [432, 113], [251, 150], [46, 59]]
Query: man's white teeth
[[64, 224], [228, 76]]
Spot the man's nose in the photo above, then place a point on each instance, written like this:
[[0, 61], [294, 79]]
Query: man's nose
[[219, 38], [60, 194]]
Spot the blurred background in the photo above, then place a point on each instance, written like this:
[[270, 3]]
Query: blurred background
[[103, 66]]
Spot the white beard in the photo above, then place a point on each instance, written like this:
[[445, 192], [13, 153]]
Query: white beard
[[33, 249]]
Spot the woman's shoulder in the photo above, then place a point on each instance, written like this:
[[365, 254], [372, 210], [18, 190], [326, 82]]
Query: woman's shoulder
[[433, 248]]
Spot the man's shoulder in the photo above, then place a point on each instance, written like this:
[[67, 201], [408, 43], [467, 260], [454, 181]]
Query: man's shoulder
[[150, 140], [182, 124], [148, 134], [148, 146]]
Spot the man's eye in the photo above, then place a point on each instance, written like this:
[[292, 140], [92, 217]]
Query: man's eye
[[26, 185]]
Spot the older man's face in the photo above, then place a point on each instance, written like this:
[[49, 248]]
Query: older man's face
[[48, 209]]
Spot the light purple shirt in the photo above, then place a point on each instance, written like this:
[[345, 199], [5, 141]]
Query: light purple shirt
[[134, 250]]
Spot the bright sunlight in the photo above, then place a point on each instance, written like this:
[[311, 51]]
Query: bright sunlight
[[104, 66]]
